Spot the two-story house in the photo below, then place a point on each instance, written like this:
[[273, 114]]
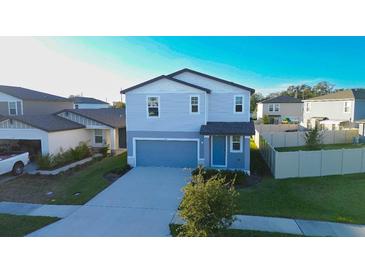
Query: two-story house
[[42, 123], [280, 108], [189, 118], [336, 110]]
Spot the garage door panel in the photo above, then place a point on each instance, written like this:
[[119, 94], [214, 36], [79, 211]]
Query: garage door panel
[[166, 153]]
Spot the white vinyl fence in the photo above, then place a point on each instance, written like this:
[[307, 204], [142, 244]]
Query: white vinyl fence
[[292, 139], [310, 163]]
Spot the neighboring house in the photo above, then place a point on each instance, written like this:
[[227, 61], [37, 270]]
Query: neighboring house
[[22, 101], [51, 124], [281, 107], [80, 102], [335, 111], [187, 119]]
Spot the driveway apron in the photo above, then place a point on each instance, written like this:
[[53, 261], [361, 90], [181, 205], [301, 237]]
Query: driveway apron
[[140, 203]]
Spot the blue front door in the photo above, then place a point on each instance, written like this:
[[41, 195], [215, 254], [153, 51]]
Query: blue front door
[[219, 151]]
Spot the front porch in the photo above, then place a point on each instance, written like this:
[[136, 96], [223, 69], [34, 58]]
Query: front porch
[[227, 145]]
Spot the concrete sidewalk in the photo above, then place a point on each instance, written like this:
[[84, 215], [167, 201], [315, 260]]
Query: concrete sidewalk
[[293, 226], [60, 211]]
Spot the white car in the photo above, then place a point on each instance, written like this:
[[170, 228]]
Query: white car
[[13, 162]]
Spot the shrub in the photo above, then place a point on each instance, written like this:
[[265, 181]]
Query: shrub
[[63, 157], [104, 151], [208, 206], [313, 137], [233, 177], [266, 119]]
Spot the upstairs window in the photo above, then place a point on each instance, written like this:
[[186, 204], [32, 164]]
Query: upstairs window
[[236, 143], [307, 107], [238, 104], [153, 106], [194, 104], [271, 107], [12, 108], [277, 107], [346, 107]]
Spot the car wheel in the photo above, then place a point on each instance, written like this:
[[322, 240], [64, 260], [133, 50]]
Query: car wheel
[[18, 168]]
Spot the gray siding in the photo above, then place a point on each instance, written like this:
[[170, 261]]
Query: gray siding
[[4, 108], [221, 108], [285, 110], [43, 107], [174, 113], [359, 112]]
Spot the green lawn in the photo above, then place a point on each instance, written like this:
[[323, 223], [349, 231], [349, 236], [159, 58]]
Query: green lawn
[[319, 147], [238, 233], [330, 198], [17, 226], [87, 180]]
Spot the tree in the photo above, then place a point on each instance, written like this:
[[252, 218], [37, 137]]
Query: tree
[[255, 98], [266, 119], [208, 206], [323, 88], [118, 104], [313, 137]]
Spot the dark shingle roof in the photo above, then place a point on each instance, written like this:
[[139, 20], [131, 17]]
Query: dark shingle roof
[[282, 99], [113, 117], [341, 95], [32, 95], [165, 77], [228, 128], [47, 122], [86, 100], [212, 77]]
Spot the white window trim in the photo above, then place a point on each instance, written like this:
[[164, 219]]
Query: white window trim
[[159, 107], [307, 110], [16, 108], [191, 105], [268, 107], [102, 135], [231, 145], [234, 104], [275, 107], [348, 106]]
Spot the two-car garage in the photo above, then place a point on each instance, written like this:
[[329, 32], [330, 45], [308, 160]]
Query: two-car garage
[[167, 153]]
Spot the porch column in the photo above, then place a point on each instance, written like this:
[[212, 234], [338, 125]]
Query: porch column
[[112, 139], [206, 151]]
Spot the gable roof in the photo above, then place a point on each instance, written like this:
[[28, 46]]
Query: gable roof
[[165, 77], [113, 117], [31, 95], [212, 77], [282, 99], [341, 95], [46, 122], [86, 100]]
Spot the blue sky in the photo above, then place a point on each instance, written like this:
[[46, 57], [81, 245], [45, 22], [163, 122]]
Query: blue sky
[[100, 66]]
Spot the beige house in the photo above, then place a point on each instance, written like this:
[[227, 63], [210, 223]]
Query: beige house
[[280, 108]]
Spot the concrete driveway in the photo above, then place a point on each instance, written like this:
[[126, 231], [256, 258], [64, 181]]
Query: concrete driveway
[[141, 203]]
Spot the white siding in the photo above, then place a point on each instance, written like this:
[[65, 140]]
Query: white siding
[[333, 110], [67, 139]]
